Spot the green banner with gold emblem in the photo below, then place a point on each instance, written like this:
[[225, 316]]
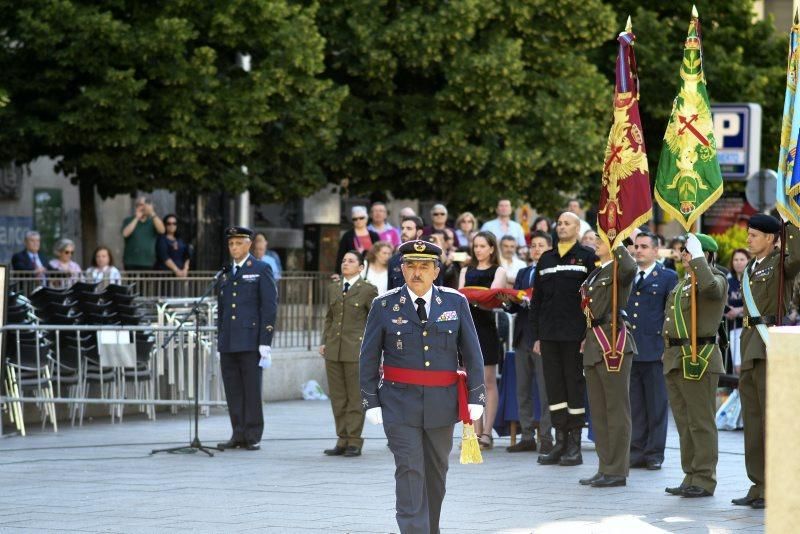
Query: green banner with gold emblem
[[689, 179]]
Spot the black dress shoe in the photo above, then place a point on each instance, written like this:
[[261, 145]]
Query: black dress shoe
[[352, 451], [677, 490], [336, 451], [525, 445], [758, 504], [609, 481], [692, 492], [743, 501], [253, 446], [653, 465], [588, 481], [230, 444]]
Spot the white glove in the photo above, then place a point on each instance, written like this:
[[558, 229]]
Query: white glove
[[266, 356], [374, 415], [475, 411], [694, 247]]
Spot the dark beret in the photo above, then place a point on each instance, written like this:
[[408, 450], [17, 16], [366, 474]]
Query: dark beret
[[418, 250], [239, 231], [764, 223]]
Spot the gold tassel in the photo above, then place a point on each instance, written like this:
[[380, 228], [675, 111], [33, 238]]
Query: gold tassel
[[470, 450]]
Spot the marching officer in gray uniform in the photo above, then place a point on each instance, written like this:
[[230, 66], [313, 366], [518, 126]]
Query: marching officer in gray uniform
[[419, 332], [247, 304]]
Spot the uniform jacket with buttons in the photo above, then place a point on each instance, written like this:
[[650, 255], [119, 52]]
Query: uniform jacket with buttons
[[247, 305], [712, 294], [556, 313], [645, 309], [598, 287], [346, 318], [395, 335], [523, 334], [764, 285]]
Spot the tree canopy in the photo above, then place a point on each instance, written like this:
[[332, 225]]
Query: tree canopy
[[465, 101], [137, 95]]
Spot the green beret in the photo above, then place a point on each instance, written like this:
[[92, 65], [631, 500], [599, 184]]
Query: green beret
[[707, 242]]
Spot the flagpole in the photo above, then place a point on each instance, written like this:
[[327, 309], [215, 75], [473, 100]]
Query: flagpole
[[693, 297], [781, 281], [614, 305]]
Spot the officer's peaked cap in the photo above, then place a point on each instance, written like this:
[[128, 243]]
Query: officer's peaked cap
[[239, 231], [419, 250]]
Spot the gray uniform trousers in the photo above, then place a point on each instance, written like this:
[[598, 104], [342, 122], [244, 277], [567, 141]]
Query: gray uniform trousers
[[611, 415], [529, 367], [419, 491]]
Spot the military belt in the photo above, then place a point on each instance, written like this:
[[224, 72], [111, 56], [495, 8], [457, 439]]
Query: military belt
[[752, 322], [685, 342], [602, 321]]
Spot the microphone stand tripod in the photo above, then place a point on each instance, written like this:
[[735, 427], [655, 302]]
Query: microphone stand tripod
[[195, 445]]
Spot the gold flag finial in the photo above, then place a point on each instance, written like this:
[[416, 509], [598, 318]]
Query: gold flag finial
[[695, 14], [629, 25], [797, 15]]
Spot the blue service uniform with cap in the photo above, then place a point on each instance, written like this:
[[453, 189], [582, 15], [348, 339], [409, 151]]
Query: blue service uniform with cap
[[419, 420], [648, 388], [247, 306]]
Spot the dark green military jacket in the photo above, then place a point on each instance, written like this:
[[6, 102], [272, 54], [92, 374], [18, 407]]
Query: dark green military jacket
[[764, 285], [598, 289], [345, 320], [712, 294]]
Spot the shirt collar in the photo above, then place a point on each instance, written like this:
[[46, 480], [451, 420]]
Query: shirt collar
[[647, 271], [609, 262], [240, 264], [351, 281], [427, 296]]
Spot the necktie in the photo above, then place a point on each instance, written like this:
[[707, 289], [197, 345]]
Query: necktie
[[346, 287], [235, 270], [423, 315], [640, 281], [533, 275]]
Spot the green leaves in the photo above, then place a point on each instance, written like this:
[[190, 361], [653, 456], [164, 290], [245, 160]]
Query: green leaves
[[138, 95]]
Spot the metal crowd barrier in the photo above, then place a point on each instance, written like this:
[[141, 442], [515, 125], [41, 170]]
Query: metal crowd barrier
[[301, 310], [48, 365]]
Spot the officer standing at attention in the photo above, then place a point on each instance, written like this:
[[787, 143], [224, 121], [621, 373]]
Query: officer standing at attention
[[648, 391], [607, 369], [350, 300], [420, 331], [760, 292], [692, 387], [558, 328], [247, 304]]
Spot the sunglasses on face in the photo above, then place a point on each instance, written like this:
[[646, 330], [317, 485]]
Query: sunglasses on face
[[439, 214], [171, 223], [69, 252], [358, 218]]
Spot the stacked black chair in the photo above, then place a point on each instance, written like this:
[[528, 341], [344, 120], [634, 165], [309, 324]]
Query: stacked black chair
[[27, 361]]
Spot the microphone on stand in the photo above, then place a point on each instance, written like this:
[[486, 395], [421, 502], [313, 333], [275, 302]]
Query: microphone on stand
[[225, 269]]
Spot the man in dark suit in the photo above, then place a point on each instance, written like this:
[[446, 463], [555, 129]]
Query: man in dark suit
[[528, 364], [648, 388], [248, 303], [420, 331], [30, 259]]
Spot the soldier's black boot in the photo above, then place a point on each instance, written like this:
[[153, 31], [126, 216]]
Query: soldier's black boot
[[572, 456], [553, 457]]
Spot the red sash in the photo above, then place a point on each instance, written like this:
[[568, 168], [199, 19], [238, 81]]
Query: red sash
[[419, 377]]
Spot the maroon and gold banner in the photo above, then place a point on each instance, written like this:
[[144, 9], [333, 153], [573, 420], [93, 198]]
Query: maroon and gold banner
[[491, 298], [625, 199]]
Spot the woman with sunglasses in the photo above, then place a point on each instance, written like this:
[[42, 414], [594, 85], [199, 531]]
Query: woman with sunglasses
[[359, 238], [172, 254], [64, 263]]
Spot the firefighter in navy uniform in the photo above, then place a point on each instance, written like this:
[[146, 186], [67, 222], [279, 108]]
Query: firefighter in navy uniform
[[247, 305], [559, 328], [419, 331]]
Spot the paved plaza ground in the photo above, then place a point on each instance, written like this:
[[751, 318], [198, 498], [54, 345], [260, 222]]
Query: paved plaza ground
[[101, 478]]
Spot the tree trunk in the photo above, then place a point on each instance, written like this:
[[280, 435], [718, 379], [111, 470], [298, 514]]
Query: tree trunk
[[88, 222]]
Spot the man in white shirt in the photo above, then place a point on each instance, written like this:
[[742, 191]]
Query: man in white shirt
[[509, 260], [503, 225]]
